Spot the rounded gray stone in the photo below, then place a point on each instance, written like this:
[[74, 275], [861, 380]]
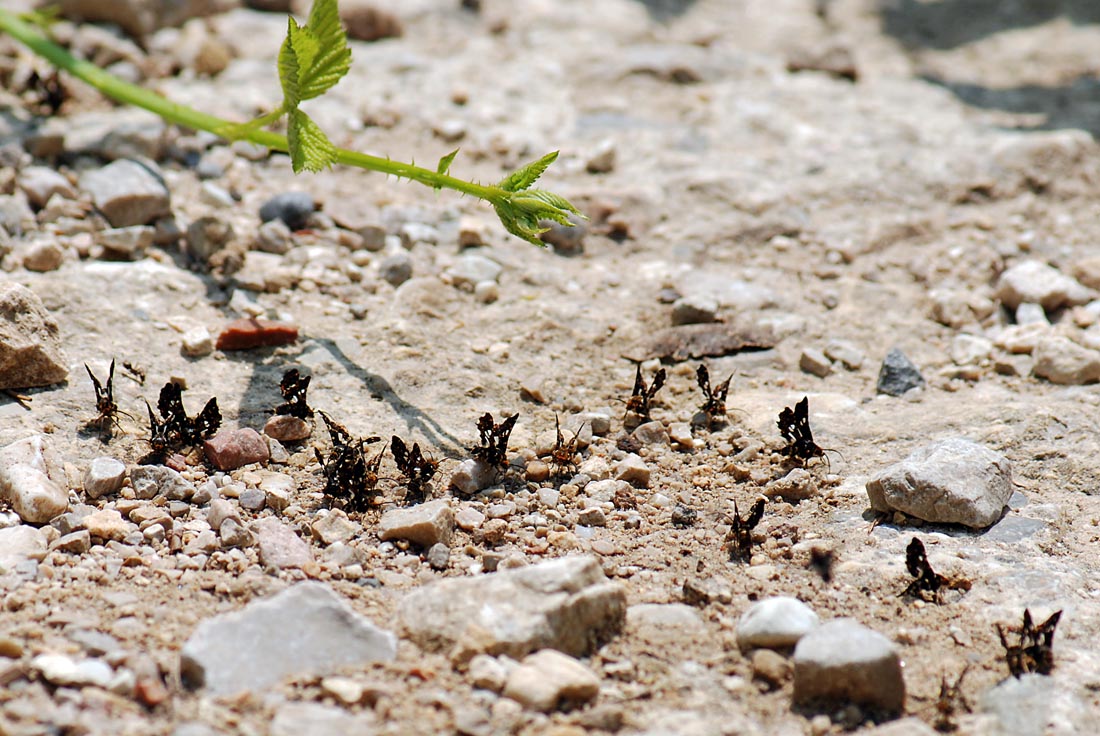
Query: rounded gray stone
[[845, 661], [128, 192], [104, 476], [953, 481], [898, 374]]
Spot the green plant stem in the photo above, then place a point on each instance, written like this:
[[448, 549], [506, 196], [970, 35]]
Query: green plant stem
[[131, 94]]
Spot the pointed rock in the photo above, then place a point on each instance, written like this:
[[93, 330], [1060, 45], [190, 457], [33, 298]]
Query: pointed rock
[[30, 343]]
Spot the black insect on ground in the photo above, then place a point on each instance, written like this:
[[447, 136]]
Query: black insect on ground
[[105, 399], [47, 92], [950, 701], [821, 562], [643, 393], [159, 439], [1035, 652], [564, 455], [739, 539], [185, 431], [134, 372], [794, 425], [927, 584], [293, 388], [416, 468], [494, 440], [350, 479], [714, 400]]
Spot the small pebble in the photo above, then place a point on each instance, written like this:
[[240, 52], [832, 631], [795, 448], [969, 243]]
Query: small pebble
[[286, 428], [197, 343], [248, 333], [293, 208], [274, 237], [439, 556], [633, 470], [469, 519], [396, 269], [898, 374], [775, 623], [548, 680], [537, 471], [252, 499], [814, 362], [846, 662], [424, 524], [104, 476], [231, 448], [771, 667]]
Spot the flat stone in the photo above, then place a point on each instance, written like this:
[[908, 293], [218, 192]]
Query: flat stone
[[1036, 705], [318, 719], [108, 524], [898, 374], [797, 485], [279, 546], [469, 519], [844, 661], [694, 309], [19, 544], [775, 623], [565, 604], [76, 543], [150, 481], [128, 192], [814, 362], [424, 524], [126, 242], [63, 671], [230, 449], [953, 481], [248, 333], [662, 621], [335, 526], [548, 680], [472, 268], [30, 341], [1060, 360], [28, 468], [316, 630], [104, 476], [1039, 283], [40, 183], [651, 433], [286, 428], [845, 353]]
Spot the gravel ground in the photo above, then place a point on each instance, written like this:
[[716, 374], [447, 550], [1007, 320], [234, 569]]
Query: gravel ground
[[817, 183]]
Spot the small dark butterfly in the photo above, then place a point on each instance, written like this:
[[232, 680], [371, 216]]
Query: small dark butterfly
[[417, 469], [494, 440], [950, 701], [927, 584], [642, 395], [564, 455], [714, 400], [739, 539], [293, 388], [1035, 652], [159, 439], [105, 398], [183, 429], [794, 425], [349, 478]]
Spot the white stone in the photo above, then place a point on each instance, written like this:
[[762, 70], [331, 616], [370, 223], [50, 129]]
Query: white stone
[[27, 472], [775, 623], [19, 544], [846, 662], [548, 680], [197, 342], [104, 476], [1039, 283], [1060, 360], [60, 670], [424, 524]]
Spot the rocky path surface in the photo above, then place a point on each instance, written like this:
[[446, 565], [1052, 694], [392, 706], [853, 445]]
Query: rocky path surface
[[861, 205]]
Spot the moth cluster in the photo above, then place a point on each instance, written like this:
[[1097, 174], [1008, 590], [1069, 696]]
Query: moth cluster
[[175, 429], [493, 450]]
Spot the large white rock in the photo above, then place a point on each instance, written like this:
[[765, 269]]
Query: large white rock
[[844, 661], [19, 544], [952, 481], [30, 340], [565, 604], [306, 629], [548, 679], [1038, 283], [775, 623], [27, 471]]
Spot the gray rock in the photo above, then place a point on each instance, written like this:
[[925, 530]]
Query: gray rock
[[694, 309], [845, 661], [845, 353], [30, 343], [126, 242], [274, 237], [208, 235], [650, 433], [1030, 313], [662, 621], [1038, 283], [150, 481], [775, 623], [128, 192], [565, 604], [797, 485], [122, 133], [28, 469], [548, 680], [252, 499], [953, 481], [814, 362], [232, 652], [19, 544], [566, 240], [335, 526], [40, 183], [471, 268], [104, 476], [76, 543], [439, 556], [424, 524], [234, 534], [16, 217], [1060, 360], [473, 475], [1037, 705], [633, 470], [898, 374], [293, 208], [219, 510], [279, 546], [396, 269]]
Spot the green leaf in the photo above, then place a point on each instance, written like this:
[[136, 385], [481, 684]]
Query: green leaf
[[445, 162], [310, 149], [330, 58], [528, 175], [288, 67], [523, 213]]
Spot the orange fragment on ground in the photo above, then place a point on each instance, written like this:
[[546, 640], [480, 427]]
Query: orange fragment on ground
[[244, 334]]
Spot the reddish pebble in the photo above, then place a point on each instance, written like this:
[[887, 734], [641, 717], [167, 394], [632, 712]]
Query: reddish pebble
[[244, 334], [286, 428], [229, 449], [150, 691]]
